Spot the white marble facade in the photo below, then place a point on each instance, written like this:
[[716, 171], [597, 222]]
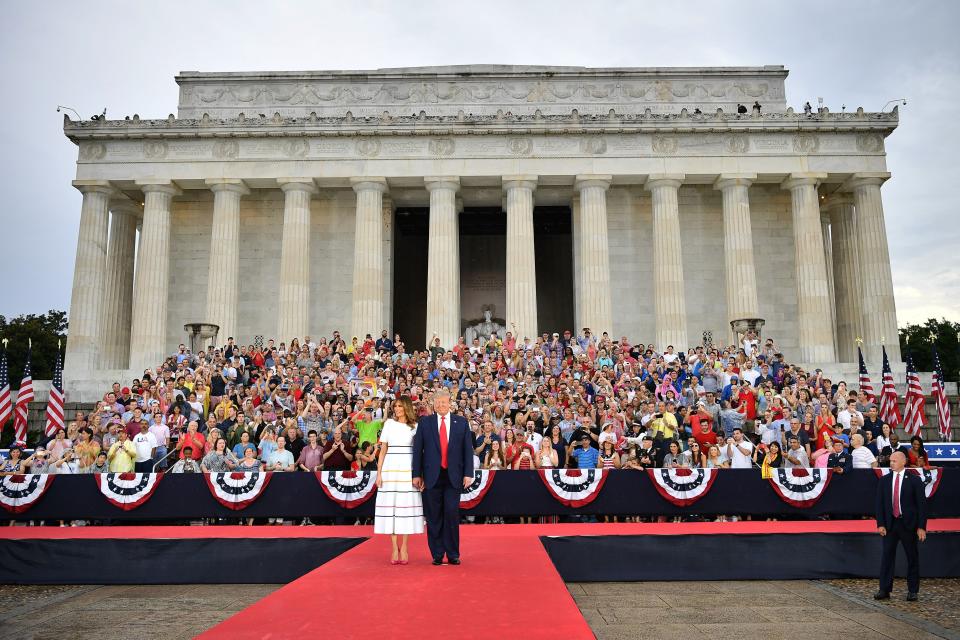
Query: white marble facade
[[262, 180]]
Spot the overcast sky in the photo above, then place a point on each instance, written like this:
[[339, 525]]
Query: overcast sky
[[123, 56]]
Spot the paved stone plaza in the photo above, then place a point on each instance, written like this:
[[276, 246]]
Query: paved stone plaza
[[662, 610]]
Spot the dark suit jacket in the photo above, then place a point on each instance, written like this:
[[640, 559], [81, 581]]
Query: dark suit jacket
[[913, 501], [426, 450]]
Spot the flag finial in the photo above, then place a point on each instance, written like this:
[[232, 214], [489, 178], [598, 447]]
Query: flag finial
[[859, 341], [5, 341], [30, 343], [58, 345]]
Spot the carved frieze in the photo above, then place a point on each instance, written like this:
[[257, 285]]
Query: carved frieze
[[738, 143], [296, 148], [368, 147], [477, 90], [155, 150], [593, 145], [806, 143], [869, 142], [92, 151], [226, 149], [441, 146], [519, 146], [664, 145]]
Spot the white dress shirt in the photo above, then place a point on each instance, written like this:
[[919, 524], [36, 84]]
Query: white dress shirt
[[446, 416]]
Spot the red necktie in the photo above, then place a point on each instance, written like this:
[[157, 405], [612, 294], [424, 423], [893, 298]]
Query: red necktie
[[896, 495], [443, 441]]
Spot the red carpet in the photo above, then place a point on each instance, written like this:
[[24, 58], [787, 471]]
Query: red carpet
[[505, 583]]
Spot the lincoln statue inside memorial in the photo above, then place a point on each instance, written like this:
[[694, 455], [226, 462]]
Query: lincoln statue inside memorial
[[429, 201]]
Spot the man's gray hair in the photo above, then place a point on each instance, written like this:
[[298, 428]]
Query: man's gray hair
[[441, 392]]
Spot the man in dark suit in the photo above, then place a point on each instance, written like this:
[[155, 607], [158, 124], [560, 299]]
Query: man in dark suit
[[442, 467], [901, 518]]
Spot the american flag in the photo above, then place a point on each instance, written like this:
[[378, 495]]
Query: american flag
[[55, 403], [913, 417], [865, 385], [940, 398], [5, 408], [889, 411], [24, 398]]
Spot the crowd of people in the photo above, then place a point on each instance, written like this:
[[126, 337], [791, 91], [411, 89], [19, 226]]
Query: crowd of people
[[559, 401]]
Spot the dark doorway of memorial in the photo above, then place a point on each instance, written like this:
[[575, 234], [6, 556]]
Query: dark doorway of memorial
[[483, 255]]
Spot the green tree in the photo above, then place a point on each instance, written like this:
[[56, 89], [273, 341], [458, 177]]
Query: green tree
[[919, 339], [44, 330]]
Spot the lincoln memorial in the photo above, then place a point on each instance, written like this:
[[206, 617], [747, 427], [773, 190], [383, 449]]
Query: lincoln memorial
[[636, 201]]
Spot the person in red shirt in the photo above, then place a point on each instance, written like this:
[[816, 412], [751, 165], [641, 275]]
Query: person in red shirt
[[193, 439], [702, 426], [747, 404]]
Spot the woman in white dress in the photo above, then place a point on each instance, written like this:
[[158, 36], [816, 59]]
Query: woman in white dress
[[399, 510]]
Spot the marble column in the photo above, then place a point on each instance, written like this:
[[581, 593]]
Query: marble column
[[521, 313], [739, 265], [293, 318], [846, 274], [443, 262], [828, 262], [89, 277], [388, 254], [223, 279], [593, 294], [878, 308], [670, 309], [575, 228], [368, 291], [148, 331], [125, 215], [814, 322]]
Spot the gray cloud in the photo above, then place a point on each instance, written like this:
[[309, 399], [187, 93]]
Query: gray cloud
[[124, 55]]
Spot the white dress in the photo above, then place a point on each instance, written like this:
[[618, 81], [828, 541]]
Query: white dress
[[399, 507]]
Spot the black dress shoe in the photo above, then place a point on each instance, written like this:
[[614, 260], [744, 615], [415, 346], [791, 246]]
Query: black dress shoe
[[437, 562], [911, 596], [881, 595], [456, 561]]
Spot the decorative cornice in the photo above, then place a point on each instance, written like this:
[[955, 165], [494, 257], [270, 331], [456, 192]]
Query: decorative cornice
[[872, 126]]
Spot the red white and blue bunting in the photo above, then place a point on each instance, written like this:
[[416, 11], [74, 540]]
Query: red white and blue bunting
[[349, 489], [574, 487], [930, 477], [237, 489], [127, 491], [682, 487], [799, 486], [21, 491], [473, 495]]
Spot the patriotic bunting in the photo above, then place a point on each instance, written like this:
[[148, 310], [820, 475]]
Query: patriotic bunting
[[349, 489], [573, 487], [21, 491], [682, 487], [237, 489], [473, 495], [127, 491], [931, 477], [800, 487]]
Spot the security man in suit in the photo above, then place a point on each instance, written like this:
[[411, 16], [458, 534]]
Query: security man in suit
[[901, 519]]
